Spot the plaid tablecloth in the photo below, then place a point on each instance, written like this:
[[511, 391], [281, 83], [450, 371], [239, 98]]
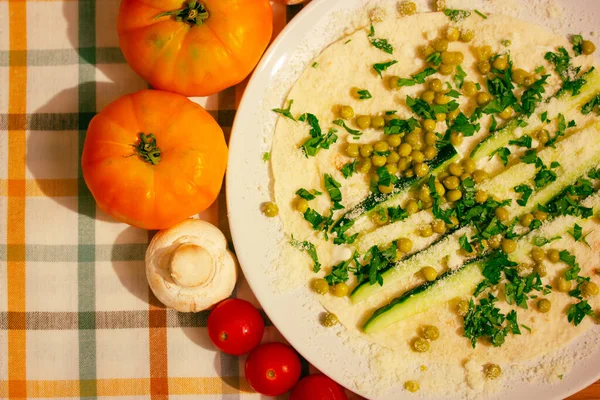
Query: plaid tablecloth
[[76, 316]]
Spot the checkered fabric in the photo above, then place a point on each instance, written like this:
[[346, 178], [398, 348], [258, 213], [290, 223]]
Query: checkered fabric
[[76, 316]]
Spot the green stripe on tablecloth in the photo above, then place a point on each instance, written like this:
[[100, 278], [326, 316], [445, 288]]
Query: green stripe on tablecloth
[[132, 319], [59, 57], [62, 253], [86, 206], [70, 121]]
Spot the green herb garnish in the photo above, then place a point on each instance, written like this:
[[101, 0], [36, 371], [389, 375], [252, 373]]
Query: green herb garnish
[[380, 67], [417, 78], [457, 15], [349, 169], [310, 249], [526, 193], [286, 111], [333, 188], [342, 123], [503, 154], [266, 156]]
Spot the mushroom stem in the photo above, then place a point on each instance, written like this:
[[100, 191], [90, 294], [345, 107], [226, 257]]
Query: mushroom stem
[[191, 265]]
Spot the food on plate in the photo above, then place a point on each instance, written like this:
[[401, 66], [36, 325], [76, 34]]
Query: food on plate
[[272, 369], [192, 47], [152, 159], [189, 267], [437, 176], [317, 387], [235, 326]]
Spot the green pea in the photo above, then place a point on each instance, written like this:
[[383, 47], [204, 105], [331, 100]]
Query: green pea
[[329, 320], [454, 195], [393, 158], [346, 112], [377, 122], [378, 161], [462, 308], [492, 371], [405, 245], [509, 246], [366, 150], [420, 345], [436, 85], [352, 150], [451, 183], [428, 96], [426, 231], [588, 47], [431, 332], [381, 146], [412, 207], [364, 166], [301, 205], [320, 286], [544, 305], [455, 169], [363, 122], [394, 140], [270, 209], [501, 213], [421, 169]]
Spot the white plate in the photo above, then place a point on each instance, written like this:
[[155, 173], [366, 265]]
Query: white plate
[[248, 182]]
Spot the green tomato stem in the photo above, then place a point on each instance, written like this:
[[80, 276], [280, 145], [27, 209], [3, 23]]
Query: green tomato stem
[[147, 149], [192, 13]]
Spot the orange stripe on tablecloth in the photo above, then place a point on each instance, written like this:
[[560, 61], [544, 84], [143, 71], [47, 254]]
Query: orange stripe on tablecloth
[[126, 387], [157, 346], [17, 104], [42, 187]]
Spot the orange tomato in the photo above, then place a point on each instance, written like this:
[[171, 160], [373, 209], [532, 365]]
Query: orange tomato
[[195, 48], [153, 158]]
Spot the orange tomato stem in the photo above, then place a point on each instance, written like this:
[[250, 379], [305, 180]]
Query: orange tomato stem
[[192, 13], [147, 150]]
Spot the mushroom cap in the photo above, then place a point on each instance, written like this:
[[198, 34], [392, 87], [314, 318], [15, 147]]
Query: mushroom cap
[[189, 267]]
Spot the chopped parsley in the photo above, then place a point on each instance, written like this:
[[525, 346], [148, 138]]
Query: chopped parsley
[[339, 273], [417, 78], [305, 194], [562, 129], [461, 124], [577, 312], [523, 141], [399, 126], [310, 249], [485, 320], [397, 214], [384, 45], [464, 244], [541, 241], [544, 177], [376, 260], [591, 106], [517, 288], [428, 111], [434, 58], [569, 74], [364, 94], [315, 219], [315, 64], [459, 77], [333, 188], [266, 156], [380, 67], [457, 15], [533, 95], [286, 112], [482, 15], [526, 193], [342, 123], [349, 169], [503, 154], [544, 117], [577, 44], [577, 234], [317, 140]]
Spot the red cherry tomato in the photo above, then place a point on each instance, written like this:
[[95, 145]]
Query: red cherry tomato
[[235, 327], [273, 368], [318, 387]]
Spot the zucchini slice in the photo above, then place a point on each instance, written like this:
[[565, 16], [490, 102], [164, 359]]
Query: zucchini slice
[[565, 102], [427, 296]]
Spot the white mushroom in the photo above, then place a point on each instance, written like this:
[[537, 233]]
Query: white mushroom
[[189, 267]]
